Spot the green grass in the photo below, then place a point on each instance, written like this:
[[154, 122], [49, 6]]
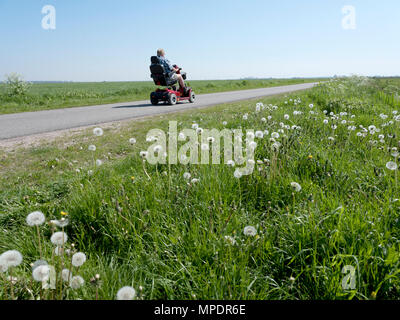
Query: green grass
[[45, 96], [168, 236]]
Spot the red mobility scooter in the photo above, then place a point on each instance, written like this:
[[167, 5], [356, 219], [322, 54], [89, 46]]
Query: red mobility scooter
[[170, 94]]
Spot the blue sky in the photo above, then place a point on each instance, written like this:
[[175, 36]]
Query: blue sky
[[102, 40]]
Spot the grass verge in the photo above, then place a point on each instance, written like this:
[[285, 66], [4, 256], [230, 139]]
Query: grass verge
[[175, 238]]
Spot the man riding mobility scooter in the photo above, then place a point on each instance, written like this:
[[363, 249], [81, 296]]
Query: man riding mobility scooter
[[170, 94]]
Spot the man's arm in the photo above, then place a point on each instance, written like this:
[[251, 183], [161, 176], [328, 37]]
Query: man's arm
[[171, 67]]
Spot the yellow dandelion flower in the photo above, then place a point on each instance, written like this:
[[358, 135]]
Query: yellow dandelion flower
[[310, 157], [63, 213]]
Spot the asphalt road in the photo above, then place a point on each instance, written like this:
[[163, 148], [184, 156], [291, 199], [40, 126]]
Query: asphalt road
[[31, 123]]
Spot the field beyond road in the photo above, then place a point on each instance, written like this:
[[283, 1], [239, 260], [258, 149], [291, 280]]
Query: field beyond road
[[318, 218], [48, 96]]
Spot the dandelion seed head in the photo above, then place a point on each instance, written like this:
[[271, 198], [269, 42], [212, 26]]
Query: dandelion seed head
[[237, 174], [59, 238], [126, 293], [98, 132], [296, 186], [250, 231], [132, 140], [92, 147], [76, 282], [11, 258], [35, 218], [275, 135], [230, 240], [41, 273], [143, 154], [391, 165], [39, 263], [78, 259], [230, 163], [187, 175]]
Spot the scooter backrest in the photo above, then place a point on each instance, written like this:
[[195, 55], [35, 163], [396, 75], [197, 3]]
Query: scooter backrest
[[155, 60]]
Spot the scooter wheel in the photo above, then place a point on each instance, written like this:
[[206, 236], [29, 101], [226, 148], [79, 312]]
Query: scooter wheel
[[192, 97], [154, 101], [172, 99]]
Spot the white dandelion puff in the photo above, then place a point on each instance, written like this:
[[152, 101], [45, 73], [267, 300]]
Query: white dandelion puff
[[59, 238], [275, 135], [259, 134], [92, 147], [230, 240], [230, 163], [99, 162], [237, 174], [250, 135], [78, 259], [391, 165], [296, 186], [187, 175], [35, 218], [126, 293], [253, 145], [41, 273], [76, 282], [11, 258], [143, 154], [98, 132], [275, 146], [250, 231], [132, 140]]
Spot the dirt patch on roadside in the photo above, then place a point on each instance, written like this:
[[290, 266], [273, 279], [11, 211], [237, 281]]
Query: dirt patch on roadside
[[10, 145]]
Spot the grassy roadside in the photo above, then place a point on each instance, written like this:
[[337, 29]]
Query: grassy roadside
[[46, 96], [148, 227]]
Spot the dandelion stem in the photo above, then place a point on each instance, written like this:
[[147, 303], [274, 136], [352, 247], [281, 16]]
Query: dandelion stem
[[144, 168], [11, 284], [5, 287], [62, 265], [39, 242]]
